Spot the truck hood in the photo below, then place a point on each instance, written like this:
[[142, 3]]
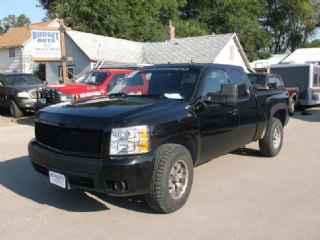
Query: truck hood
[[75, 88], [115, 112], [25, 87]]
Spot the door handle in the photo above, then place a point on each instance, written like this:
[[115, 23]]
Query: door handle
[[233, 113]]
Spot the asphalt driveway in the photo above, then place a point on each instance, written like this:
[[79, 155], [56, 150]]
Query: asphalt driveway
[[241, 195]]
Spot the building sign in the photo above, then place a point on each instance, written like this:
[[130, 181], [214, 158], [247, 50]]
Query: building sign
[[46, 44]]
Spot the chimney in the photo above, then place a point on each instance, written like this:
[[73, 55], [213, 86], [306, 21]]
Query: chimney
[[170, 32]]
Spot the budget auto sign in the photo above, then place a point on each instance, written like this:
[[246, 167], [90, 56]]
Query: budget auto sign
[[46, 44]]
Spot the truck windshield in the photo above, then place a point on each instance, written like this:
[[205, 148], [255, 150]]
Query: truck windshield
[[22, 79], [94, 78], [173, 83]]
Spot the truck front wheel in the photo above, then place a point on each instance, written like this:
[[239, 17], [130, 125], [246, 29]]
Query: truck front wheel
[[172, 178], [15, 110], [270, 145]]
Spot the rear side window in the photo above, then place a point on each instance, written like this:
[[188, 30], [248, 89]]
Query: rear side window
[[237, 77]]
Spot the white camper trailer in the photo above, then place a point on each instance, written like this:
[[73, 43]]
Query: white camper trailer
[[304, 76]]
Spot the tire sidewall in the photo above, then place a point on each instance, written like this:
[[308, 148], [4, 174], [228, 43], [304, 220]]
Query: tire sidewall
[[12, 109], [292, 106], [275, 124], [170, 204]]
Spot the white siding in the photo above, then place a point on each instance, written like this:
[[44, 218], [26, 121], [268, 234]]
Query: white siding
[[28, 65], [231, 55], [80, 62], [11, 64]]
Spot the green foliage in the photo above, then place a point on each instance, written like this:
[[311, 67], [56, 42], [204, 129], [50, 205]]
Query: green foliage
[[313, 44], [13, 21], [40, 72], [290, 23], [263, 26], [1, 28]]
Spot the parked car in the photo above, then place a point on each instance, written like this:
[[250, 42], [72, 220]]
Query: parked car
[[95, 83], [263, 81], [131, 143], [18, 92], [133, 86]]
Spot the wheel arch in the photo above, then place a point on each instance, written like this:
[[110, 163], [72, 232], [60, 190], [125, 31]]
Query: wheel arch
[[189, 140]]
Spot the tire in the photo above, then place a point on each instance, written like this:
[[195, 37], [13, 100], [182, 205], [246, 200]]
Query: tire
[[15, 110], [172, 178], [270, 145], [292, 106]]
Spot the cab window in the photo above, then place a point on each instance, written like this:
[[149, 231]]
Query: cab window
[[243, 83], [213, 80]]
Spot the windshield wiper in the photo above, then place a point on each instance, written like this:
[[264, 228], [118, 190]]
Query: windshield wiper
[[153, 96], [92, 83], [118, 94]]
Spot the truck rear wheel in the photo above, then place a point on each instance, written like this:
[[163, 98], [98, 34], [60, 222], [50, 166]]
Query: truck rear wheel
[[172, 178], [15, 110], [270, 145], [292, 106]]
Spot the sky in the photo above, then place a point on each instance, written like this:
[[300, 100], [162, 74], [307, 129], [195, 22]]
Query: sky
[[18, 7], [36, 14]]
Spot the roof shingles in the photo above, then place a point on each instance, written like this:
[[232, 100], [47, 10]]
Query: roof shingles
[[18, 36], [197, 49]]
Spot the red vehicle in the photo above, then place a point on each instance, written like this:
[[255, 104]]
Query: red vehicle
[[262, 81], [95, 83], [133, 85]]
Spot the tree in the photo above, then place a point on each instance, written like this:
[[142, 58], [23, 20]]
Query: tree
[[290, 23], [313, 44], [226, 16], [1, 28], [263, 26], [13, 21]]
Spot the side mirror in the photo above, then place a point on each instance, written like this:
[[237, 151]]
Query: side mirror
[[227, 96], [273, 85], [258, 87]]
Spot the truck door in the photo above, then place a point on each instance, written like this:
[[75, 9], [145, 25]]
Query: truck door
[[218, 124], [246, 106]]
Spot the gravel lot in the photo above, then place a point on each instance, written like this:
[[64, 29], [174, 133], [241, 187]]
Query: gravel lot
[[241, 195]]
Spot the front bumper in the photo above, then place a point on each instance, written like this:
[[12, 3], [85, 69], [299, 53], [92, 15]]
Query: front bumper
[[26, 103], [121, 176]]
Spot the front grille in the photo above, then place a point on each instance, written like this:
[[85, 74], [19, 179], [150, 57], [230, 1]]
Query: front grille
[[51, 95], [71, 140]]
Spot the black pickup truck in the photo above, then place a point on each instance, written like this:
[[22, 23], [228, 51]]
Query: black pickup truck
[[134, 143]]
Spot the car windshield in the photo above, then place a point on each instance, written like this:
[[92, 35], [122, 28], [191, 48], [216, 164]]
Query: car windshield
[[258, 79], [94, 78], [21, 79], [173, 83]]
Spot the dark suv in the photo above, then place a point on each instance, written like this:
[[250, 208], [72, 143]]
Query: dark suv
[[18, 92]]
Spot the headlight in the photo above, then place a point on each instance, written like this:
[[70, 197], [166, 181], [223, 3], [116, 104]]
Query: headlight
[[129, 140], [67, 97], [23, 94]]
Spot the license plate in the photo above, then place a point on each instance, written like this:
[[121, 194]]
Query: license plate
[[57, 179], [42, 100]]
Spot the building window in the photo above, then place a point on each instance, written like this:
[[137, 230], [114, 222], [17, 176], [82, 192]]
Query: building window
[[231, 53], [70, 73], [315, 79], [12, 52]]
